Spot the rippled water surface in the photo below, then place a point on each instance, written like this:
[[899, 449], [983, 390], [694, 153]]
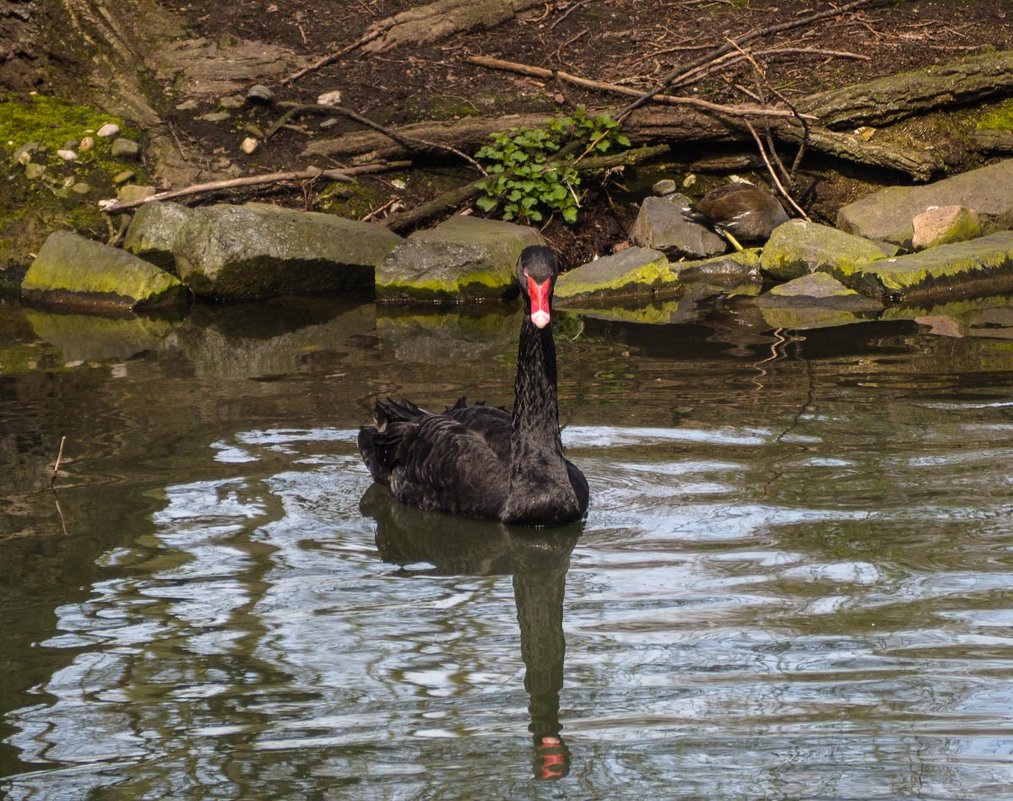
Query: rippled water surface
[[794, 580]]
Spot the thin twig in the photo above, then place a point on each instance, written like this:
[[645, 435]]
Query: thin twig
[[410, 144], [568, 12], [323, 62], [59, 458], [773, 172]]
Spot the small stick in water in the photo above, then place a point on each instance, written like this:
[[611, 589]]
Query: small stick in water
[[59, 457]]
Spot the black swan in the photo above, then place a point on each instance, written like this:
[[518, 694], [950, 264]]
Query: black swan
[[483, 462], [739, 211]]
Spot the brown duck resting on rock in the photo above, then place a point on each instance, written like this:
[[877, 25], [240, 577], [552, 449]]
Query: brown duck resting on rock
[[480, 461], [741, 212]]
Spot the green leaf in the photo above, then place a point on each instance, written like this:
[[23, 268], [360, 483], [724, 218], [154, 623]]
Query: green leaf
[[486, 203]]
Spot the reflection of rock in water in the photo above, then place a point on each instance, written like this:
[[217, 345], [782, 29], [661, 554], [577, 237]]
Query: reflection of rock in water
[[538, 562]]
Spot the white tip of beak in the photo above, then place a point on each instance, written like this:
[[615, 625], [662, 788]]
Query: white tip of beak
[[540, 319]]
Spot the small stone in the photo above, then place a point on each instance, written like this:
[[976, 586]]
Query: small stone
[[232, 101], [86, 144], [24, 153], [81, 188], [123, 176], [215, 116], [131, 192], [689, 180], [34, 171], [399, 183], [941, 225], [666, 186], [187, 105], [125, 149], [330, 122], [108, 130], [332, 98], [258, 93], [249, 145], [67, 155]]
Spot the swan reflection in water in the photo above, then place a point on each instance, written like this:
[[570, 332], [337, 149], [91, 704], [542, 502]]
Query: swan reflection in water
[[538, 560]]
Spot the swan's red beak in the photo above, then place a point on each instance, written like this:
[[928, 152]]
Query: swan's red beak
[[540, 295]]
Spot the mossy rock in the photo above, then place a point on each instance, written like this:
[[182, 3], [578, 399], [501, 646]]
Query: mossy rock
[[800, 247], [631, 273], [887, 214], [74, 272], [977, 267], [462, 259], [261, 251]]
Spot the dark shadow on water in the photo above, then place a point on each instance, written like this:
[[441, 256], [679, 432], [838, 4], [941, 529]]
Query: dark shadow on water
[[538, 560]]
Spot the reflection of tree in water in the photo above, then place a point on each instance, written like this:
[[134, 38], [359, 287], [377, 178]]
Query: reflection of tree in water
[[536, 558]]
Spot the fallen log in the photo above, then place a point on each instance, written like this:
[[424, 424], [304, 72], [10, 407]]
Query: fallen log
[[645, 127], [907, 94], [440, 19]]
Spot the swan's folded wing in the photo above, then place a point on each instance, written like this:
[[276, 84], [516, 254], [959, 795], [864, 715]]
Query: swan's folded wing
[[491, 423], [442, 465]]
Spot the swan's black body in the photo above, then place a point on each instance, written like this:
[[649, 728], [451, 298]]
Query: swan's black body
[[480, 461]]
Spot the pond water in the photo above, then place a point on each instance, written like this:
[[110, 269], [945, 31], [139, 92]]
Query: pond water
[[795, 580]]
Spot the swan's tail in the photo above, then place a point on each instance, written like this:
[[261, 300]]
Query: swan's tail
[[379, 442]]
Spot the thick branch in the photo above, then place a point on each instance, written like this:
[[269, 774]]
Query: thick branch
[[253, 180]]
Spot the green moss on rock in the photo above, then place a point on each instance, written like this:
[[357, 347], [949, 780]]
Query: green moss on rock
[[977, 267], [634, 272], [76, 272], [462, 259]]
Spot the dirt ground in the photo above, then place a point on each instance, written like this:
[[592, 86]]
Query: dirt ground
[[629, 42]]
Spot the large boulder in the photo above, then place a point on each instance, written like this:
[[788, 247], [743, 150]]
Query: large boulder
[[660, 225], [461, 259], [887, 214], [260, 251], [75, 272], [800, 247], [981, 266]]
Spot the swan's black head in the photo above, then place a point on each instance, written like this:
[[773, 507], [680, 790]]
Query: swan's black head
[[536, 274]]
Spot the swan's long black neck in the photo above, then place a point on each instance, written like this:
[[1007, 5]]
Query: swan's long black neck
[[539, 483], [536, 402]]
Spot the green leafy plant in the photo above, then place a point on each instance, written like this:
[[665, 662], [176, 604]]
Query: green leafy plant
[[526, 180]]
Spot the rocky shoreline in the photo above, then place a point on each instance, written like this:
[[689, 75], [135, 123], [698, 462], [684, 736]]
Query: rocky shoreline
[[946, 241]]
